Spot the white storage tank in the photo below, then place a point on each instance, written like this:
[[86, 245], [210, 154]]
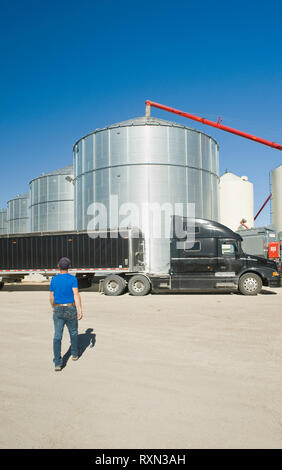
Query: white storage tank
[[3, 222], [52, 201], [276, 189], [236, 201], [18, 214]]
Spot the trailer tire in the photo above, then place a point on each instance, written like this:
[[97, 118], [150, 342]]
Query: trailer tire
[[250, 284], [1, 285], [139, 285], [114, 285]]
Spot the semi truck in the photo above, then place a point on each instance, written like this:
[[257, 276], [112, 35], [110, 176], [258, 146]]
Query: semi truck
[[208, 257]]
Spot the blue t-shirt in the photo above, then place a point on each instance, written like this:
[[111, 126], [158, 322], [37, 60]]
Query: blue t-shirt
[[62, 285]]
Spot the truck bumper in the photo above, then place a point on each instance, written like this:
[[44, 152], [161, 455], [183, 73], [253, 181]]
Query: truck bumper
[[275, 282]]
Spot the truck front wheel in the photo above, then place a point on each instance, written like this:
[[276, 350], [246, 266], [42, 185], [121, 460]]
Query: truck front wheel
[[114, 285], [250, 284], [139, 285]]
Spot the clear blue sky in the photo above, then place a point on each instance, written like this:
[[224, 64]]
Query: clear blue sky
[[68, 67]]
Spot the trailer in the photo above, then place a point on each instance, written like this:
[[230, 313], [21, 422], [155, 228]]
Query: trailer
[[262, 241], [99, 253], [207, 256]]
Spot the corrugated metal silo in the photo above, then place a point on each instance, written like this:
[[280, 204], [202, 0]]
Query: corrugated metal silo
[[145, 161], [52, 202], [236, 201], [276, 189], [18, 214], [3, 221]]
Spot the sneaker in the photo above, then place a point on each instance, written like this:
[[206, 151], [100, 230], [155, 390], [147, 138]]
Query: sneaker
[[58, 368], [74, 358]]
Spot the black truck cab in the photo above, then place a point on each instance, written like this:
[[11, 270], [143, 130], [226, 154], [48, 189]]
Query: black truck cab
[[210, 257]]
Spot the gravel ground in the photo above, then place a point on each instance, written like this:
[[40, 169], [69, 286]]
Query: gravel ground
[[164, 371]]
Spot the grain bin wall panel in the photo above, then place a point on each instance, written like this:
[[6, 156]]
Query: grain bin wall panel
[[142, 162], [18, 214], [276, 203], [3, 221], [52, 201]]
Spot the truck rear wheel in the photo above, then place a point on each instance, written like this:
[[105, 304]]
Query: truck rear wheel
[[250, 284], [114, 285], [139, 285]]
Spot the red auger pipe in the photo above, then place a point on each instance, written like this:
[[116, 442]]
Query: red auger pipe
[[218, 124], [264, 204]]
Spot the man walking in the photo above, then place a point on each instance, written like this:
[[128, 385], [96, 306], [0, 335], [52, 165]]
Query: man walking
[[66, 303]]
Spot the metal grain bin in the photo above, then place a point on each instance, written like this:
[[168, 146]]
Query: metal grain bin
[[52, 201], [18, 214], [145, 161], [276, 188], [3, 221]]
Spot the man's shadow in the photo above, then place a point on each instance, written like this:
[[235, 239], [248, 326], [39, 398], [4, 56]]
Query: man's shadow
[[85, 340]]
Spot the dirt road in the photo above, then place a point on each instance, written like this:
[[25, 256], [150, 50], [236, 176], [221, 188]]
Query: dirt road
[[162, 371]]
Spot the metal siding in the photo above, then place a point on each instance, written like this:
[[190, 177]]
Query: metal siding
[[276, 187], [18, 214], [3, 221], [146, 162], [44, 251], [52, 202]]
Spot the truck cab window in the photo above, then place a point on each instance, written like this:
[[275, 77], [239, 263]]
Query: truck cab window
[[188, 246], [228, 248]]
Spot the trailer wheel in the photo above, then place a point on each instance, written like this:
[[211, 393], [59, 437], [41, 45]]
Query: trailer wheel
[[114, 285], [139, 285], [1, 285], [250, 284]]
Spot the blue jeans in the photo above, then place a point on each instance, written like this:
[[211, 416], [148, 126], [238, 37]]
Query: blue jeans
[[64, 316]]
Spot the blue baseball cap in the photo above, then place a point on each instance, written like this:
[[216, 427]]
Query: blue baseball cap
[[64, 263]]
